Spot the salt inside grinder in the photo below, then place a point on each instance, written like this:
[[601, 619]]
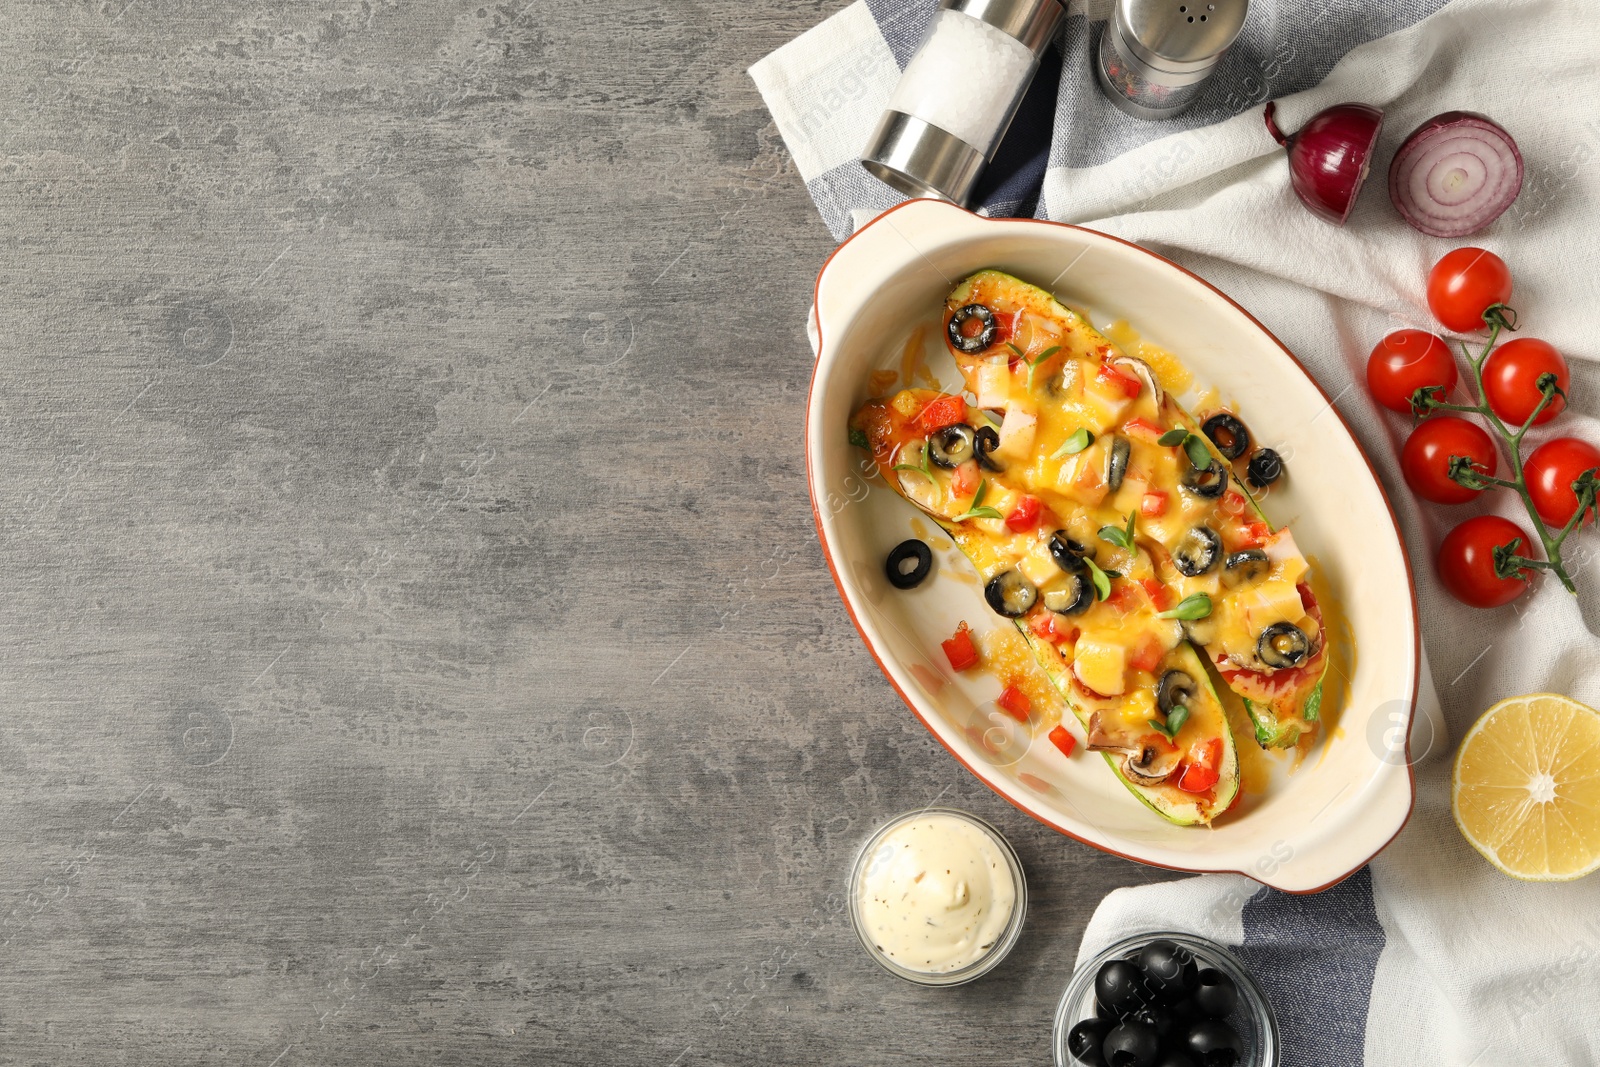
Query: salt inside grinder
[[958, 94], [1155, 55]]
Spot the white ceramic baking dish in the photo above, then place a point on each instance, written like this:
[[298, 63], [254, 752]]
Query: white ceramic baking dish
[[1317, 822]]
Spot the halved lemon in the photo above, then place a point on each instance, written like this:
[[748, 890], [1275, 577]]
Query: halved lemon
[[1526, 787]]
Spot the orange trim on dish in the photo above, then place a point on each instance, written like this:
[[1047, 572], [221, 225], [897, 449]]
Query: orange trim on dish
[[827, 553]]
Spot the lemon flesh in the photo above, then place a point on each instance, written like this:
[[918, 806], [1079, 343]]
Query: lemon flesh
[[1526, 787]]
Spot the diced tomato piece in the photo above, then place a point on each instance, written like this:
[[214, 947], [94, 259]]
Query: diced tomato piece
[[1160, 595], [945, 411], [1255, 534], [1015, 702], [1143, 429], [1308, 600], [1153, 504], [1025, 516], [1122, 596], [1148, 658], [1063, 740], [1046, 625], [965, 479], [1197, 779], [960, 650], [1112, 378], [1233, 503]]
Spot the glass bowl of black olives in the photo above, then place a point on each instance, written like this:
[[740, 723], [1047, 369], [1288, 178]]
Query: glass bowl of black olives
[[1164, 1000]]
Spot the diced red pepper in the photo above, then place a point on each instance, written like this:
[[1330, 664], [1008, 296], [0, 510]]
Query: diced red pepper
[[1160, 595], [1148, 658], [1122, 596], [965, 479], [1233, 503], [1143, 429], [1112, 378], [1308, 599], [1201, 772], [1255, 534], [1025, 516], [1063, 740], [1153, 504], [1015, 702], [945, 411], [1043, 625], [960, 650]]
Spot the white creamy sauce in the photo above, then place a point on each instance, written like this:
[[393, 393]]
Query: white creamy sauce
[[936, 894]]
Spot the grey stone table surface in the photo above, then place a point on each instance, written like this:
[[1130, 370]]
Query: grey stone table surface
[[417, 644]]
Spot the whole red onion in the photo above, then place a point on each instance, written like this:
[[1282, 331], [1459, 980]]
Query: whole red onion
[[1330, 156]]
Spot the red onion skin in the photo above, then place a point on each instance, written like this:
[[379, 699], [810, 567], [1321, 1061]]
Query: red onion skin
[[1330, 156], [1402, 155]]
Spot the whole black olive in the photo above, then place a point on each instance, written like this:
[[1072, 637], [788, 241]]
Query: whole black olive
[[1245, 566], [1217, 995], [1175, 1058], [1121, 986], [1228, 434], [1212, 1043], [1168, 967], [909, 562], [1131, 1044], [1185, 1012], [1283, 644], [1155, 1017], [1085, 1039], [1010, 594], [1117, 452], [985, 443], [1208, 483], [1197, 552], [1265, 467], [961, 341], [1075, 599], [1069, 553], [952, 446], [1175, 688]]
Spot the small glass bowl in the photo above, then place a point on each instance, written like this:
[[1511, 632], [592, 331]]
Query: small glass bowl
[[1253, 1019], [989, 960]]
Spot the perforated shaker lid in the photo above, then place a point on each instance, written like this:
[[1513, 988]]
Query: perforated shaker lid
[[1180, 35]]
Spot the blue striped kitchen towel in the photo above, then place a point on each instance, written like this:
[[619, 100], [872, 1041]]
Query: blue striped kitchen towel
[[1428, 955]]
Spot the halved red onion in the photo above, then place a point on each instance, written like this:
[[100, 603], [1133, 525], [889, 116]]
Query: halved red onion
[[1455, 174], [1330, 156]]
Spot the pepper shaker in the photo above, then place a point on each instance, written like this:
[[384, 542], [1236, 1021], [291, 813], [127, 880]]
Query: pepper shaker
[[958, 94], [1155, 55]]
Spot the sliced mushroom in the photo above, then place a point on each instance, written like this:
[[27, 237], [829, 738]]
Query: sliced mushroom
[[1197, 552], [1141, 370], [1151, 764], [1283, 645]]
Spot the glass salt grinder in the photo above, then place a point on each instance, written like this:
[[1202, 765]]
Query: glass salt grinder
[[1156, 54], [958, 94]]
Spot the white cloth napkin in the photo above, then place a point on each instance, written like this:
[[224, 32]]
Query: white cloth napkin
[[1429, 956]]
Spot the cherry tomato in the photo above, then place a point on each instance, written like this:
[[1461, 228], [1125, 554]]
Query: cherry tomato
[[1550, 472], [1466, 561], [1511, 380], [1425, 460], [1463, 285], [1404, 362]]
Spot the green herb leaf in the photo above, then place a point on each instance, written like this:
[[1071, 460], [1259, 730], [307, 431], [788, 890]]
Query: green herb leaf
[[978, 510], [1040, 358], [1102, 584], [859, 438], [1112, 574], [1199, 454], [1194, 606], [1115, 535], [1020, 353], [1313, 705], [1175, 720], [1173, 437], [1079, 440], [920, 467]]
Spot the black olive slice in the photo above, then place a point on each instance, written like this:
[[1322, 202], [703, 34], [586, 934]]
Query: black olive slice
[[960, 341], [1117, 450], [1265, 467], [985, 443], [1283, 645], [1208, 483], [909, 562], [1228, 434], [952, 446], [1245, 566], [1069, 553], [1197, 552], [1075, 599], [1010, 594], [1175, 688]]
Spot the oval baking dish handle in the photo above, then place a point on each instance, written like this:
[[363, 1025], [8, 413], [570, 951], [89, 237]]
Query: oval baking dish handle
[[907, 234]]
